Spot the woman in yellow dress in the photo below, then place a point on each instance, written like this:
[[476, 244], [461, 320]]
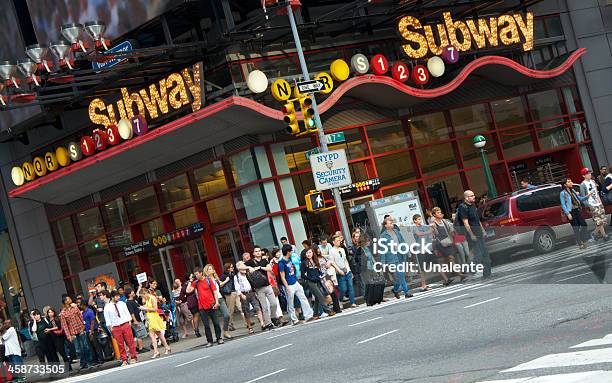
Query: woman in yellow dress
[[155, 323]]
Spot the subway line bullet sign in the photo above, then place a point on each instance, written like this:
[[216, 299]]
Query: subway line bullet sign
[[330, 170]]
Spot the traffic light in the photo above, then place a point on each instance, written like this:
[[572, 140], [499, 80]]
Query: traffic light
[[308, 113], [293, 127], [315, 201]]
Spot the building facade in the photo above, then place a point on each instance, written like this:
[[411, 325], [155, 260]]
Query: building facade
[[203, 186]]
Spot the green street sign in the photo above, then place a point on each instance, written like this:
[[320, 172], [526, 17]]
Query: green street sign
[[311, 152], [334, 138]]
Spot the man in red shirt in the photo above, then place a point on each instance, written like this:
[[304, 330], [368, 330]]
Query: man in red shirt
[[208, 303], [74, 328]]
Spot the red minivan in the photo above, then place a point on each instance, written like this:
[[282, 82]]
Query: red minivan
[[529, 218]]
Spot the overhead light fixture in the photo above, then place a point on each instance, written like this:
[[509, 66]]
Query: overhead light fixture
[[7, 73], [28, 68], [61, 50], [96, 29], [38, 53], [72, 32]]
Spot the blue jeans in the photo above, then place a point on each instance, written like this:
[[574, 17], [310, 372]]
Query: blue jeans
[[82, 345], [346, 282], [400, 282], [481, 255]]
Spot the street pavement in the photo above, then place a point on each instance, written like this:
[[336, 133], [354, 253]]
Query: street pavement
[[541, 319]]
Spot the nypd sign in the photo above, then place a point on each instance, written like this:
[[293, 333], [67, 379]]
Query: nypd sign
[[330, 170]]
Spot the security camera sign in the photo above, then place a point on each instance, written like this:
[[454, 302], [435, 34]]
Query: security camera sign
[[330, 170]]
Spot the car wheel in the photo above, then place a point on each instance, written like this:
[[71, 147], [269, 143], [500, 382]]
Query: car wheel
[[544, 241]]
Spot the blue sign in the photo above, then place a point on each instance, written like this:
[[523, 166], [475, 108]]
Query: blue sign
[[123, 47]]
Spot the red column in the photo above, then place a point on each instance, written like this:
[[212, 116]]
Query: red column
[[212, 254]]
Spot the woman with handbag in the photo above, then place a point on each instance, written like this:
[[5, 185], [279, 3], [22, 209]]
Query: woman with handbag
[[313, 278], [571, 207], [209, 272], [375, 282], [443, 238]]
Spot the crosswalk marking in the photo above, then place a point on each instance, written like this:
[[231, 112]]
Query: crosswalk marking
[[574, 276], [481, 303], [578, 358], [576, 377], [605, 341], [451, 298]]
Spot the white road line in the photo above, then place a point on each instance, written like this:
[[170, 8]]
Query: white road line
[[285, 333], [598, 376], [451, 298], [377, 336], [274, 349], [578, 358], [483, 302], [468, 287], [80, 378], [191, 361], [605, 341], [267, 375], [365, 321], [574, 268], [575, 276]]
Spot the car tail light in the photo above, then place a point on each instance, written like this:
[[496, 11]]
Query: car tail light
[[510, 221]]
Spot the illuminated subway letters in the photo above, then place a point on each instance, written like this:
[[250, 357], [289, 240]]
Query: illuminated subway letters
[[465, 35], [174, 90]]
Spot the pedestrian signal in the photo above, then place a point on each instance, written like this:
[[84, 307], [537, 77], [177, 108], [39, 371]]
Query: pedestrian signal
[[315, 201]]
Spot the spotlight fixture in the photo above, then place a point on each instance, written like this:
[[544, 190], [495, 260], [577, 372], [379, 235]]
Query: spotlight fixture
[[72, 33], [28, 68], [38, 53], [96, 29], [61, 50], [7, 73]]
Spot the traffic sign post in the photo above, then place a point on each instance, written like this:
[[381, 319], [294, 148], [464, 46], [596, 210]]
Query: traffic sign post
[[318, 124]]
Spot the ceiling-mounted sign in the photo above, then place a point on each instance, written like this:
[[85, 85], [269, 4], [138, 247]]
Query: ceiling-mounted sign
[[465, 35], [123, 47]]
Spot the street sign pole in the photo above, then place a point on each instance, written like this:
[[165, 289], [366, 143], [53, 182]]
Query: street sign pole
[[322, 140]]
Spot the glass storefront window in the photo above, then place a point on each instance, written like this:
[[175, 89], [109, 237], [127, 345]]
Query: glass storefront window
[[295, 155], [70, 261], [152, 228], [220, 210], [354, 146], [243, 168], [261, 233], [289, 195], [63, 234], [95, 253], [508, 112], [428, 128], [249, 203], [516, 143], [358, 171], [117, 240], [303, 183], [176, 192], [387, 136], [89, 223], [394, 168], [470, 120], [185, 217], [210, 179], [9, 273], [445, 192], [545, 106], [400, 189], [142, 204], [437, 159], [471, 155], [114, 214]]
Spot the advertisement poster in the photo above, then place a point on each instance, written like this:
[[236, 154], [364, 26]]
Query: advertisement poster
[[105, 273]]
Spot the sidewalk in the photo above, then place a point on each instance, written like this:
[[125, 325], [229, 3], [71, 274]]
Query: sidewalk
[[185, 344]]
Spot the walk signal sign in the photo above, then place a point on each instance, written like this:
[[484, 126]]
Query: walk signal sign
[[315, 201]]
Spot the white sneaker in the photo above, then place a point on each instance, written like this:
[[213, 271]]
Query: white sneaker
[[478, 275], [323, 315]]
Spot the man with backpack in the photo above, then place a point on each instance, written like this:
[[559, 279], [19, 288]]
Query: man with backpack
[[468, 224], [208, 303], [258, 269]]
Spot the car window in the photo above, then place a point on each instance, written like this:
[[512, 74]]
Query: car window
[[549, 197], [528, 202], [495, 210]]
